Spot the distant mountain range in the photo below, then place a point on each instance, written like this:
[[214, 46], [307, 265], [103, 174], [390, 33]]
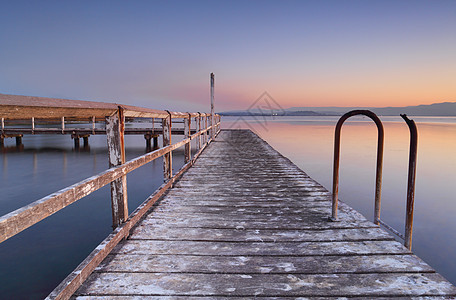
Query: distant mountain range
[[436, 109]]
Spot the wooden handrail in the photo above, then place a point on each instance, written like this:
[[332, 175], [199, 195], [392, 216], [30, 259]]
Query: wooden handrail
[[24, 217]]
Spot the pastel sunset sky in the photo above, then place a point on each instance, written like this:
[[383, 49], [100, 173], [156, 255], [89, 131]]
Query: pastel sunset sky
[[159, 54]]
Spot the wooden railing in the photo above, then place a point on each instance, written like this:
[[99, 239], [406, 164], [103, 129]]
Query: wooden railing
[[22, 218]]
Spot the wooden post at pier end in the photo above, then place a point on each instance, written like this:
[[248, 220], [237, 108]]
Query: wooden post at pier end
[[115, 127], [212, 105], [167, 158]]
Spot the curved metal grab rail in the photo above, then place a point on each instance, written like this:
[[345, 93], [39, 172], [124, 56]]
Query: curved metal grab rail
[[411, 181], [378, 185], [407, 237], [378, 180]]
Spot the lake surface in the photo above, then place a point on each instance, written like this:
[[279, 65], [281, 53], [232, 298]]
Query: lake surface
[[36, 260]]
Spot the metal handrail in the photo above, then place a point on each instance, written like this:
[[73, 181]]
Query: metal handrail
[[378, 180], [411, 173], [411, 181], [407, 237]]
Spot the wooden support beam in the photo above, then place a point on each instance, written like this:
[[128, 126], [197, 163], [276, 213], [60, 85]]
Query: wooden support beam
[[148, 138], [115, 126], [155, 142], [76, 142], [167, 158], [19, 140], [86, 141], [187, 134]]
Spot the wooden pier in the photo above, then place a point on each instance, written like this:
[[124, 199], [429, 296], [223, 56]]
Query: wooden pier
[[238, 220], [245, 222]]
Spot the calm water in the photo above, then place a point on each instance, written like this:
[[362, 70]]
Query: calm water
[[36, 260], [309, 142]]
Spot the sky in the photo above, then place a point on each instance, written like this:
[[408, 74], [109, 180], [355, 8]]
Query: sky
[[159, 54]]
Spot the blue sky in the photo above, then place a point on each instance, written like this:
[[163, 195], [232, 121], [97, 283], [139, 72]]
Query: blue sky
[[159, 54]]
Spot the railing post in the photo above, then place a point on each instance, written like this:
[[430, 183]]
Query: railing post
[[218, 121], [411, 182], [198, 129], [115, 127], [206, 134], [211, 131], [167, 158], [93, 125], [212, 105], [187, 134]]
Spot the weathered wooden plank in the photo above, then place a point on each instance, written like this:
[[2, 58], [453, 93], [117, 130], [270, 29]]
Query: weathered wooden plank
[[252, 222], [321, 220], [243, 298], [259, 235], [236, 192], [258, 248], [335, 285], [193, 200], [153, 263], [318, 210]]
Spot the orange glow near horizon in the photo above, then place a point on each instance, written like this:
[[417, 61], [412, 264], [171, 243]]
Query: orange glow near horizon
[[345, 93]]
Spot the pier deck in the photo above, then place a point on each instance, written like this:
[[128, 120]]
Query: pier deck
[[244, 221]]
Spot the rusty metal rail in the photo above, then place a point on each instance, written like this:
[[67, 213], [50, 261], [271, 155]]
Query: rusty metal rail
[[378, 174], [411, 181], [378, 178]]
